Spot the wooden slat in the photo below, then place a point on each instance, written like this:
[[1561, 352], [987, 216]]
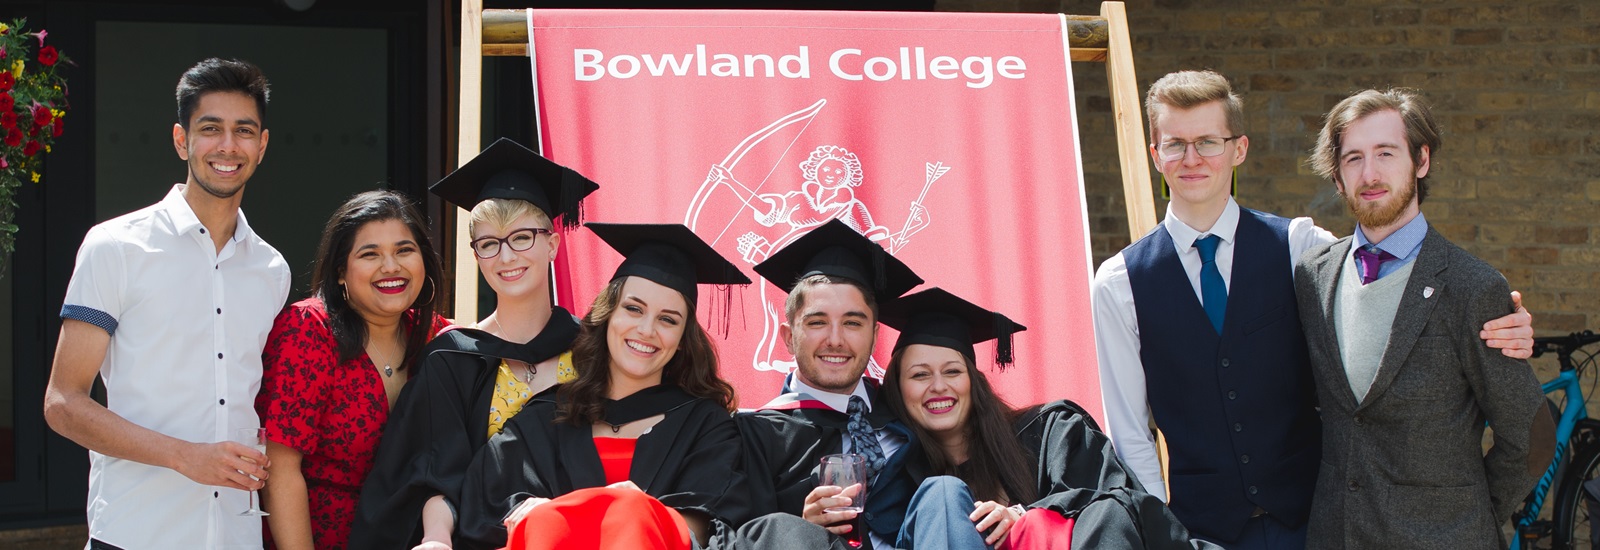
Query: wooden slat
[[505, 33], [1129, 121], [1096, 55], [468, 143]]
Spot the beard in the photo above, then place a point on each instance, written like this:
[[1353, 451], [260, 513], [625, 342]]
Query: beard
[[1381, 213]]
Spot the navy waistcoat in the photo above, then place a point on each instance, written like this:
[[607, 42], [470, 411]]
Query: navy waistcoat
[[1236, 408]]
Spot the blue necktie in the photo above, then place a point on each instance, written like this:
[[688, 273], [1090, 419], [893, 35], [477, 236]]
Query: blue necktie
[[862, 439], [1213, 292]]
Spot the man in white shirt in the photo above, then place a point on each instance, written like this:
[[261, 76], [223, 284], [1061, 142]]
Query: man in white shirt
[[170, 305], [1225, 374]]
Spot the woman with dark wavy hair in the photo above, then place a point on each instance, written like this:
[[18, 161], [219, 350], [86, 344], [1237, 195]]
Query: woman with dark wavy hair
[[1020, 474], [641, 447], [335, 362]]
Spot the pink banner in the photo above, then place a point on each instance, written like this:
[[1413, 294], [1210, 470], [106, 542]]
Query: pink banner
[[947, 138]]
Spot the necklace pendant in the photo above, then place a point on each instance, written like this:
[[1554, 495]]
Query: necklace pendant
[[388, 372], [615, 428]]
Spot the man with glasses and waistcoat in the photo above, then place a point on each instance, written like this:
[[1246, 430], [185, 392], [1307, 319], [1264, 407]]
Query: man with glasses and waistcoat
[[1196, 325]]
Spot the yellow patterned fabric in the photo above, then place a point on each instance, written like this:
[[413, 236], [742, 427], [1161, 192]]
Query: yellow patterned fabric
[[564, 371], [511, 392]]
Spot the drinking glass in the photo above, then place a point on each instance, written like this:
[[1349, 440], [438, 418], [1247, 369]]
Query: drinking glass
[[850, 472], [256, 438]]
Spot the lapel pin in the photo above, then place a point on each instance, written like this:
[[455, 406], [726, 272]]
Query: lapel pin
[[1427, 292]]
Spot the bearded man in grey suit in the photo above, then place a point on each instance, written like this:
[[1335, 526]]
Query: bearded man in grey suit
[[1391, 316]]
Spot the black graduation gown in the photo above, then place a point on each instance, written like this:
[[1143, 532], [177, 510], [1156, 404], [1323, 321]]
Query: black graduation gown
[[688, 461], [437, 425], [783, 449], [1081, 477]]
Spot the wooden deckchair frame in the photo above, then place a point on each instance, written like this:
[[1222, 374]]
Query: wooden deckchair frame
[[1093, 38]]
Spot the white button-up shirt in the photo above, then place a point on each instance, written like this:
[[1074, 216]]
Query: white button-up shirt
[[187, 326], [1116, 332]]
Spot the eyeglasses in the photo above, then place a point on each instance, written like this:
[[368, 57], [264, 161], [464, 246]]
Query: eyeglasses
[[1205, 147], [519, 240]]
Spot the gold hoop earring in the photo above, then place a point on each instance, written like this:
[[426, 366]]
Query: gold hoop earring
[[433, 290]]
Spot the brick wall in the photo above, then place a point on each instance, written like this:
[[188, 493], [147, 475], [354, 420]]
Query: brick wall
[[1515, 84]]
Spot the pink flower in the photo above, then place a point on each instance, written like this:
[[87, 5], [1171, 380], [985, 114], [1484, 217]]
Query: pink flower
[[41, 34]]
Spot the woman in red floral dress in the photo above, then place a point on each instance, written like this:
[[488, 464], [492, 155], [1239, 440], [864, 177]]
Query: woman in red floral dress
[[335, 363]]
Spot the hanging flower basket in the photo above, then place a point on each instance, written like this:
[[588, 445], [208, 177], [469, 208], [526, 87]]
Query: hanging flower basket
[[33, 100]]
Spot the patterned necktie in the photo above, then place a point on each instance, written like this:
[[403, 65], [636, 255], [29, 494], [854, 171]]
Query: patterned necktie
[[1370, 258], [862, 439], [1213, 292]]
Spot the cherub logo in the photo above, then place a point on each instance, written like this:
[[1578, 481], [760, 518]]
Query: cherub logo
[[763, 222]]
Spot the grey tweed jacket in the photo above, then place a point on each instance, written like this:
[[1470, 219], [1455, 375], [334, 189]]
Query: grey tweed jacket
[[1405, 468]]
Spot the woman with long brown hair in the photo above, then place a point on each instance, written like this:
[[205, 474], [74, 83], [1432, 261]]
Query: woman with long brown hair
[[641, 447], [1020, 473]]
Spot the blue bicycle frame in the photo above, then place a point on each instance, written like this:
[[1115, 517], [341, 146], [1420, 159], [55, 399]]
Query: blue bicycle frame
[[1571, 414]]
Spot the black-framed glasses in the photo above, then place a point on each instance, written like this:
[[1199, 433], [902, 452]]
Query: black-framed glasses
[[519, 240], [1205, 147]]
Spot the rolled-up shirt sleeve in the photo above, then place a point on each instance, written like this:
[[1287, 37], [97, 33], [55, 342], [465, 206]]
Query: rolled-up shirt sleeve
[[95, 294]]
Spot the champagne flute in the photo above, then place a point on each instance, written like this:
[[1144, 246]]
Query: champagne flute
[[847, 471], [256, 438]]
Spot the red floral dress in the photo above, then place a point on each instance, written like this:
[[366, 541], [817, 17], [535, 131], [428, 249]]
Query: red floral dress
[[332, 412]]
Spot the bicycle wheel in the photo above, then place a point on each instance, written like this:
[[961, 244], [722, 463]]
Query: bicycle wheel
[[1574, 527]]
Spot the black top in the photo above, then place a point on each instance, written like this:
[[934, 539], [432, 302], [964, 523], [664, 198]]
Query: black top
[[438, 424], [668, 254], [507, 170], [1080, 476], [688, 461], [837, 250]]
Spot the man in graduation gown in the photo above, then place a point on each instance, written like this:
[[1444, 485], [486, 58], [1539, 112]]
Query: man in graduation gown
[[834, 277]]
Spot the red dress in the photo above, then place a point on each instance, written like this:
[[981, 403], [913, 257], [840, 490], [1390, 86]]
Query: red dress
[[616, 457], [332, 412], [602, 518]]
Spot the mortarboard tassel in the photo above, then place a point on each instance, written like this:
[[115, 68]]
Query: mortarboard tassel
[[1004, 328], [571, 186], [720, 310]]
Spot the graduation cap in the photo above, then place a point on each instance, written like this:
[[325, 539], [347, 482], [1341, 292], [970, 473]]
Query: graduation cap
[[835, 249], [507, 170], [669, 254], [938, 318]]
